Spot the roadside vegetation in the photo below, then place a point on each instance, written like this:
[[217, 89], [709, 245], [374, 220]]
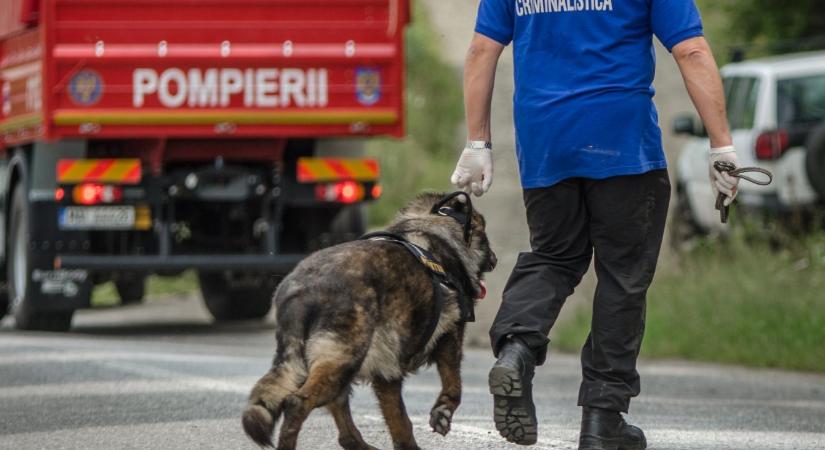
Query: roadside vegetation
[[763, 27], [754, 297], [424, 159], [105, 295]]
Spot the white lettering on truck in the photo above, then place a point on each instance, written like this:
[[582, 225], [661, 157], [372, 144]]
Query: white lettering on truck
[[264, 88]]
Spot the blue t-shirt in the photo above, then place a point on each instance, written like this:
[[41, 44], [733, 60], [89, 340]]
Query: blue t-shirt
[[583, 82]]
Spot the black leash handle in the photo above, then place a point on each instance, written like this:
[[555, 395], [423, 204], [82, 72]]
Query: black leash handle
[[730, 169]]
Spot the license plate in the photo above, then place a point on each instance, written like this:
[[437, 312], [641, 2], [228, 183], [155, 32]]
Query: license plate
[[97, 217]]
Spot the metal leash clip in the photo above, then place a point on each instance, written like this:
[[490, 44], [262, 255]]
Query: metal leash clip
[[730, 168]]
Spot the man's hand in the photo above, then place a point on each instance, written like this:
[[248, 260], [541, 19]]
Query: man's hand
[[721, 181], [474, 171]]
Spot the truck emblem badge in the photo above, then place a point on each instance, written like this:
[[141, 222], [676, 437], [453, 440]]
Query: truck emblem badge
[[368, 85], [86, 87]]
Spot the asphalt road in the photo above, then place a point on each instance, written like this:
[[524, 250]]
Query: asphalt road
[[160, 376]]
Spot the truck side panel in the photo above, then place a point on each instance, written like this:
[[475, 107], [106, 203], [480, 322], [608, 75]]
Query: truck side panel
[[21, 85], [252, 68]]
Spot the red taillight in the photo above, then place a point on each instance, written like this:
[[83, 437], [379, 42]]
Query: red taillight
[[376, 191], [59, 194], [342, 192], [93, 193], [772, 145]]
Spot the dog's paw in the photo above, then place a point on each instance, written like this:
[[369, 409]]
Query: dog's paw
[[440, 418]]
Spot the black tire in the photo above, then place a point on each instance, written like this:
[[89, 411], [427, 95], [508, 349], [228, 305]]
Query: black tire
[[815, 160], [19, 274], [350, 222], [683, 227], [227, 303], [4, 302], [131, 290]]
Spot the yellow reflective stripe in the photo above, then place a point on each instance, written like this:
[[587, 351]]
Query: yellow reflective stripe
[[334, 169], [164, 117], [77, 171], [119, 170], [22, 121], [80, 170], [359, 169], [319, 169]]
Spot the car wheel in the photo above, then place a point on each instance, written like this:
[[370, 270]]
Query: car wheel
[[19, 274], [815, 160], [683, 227], [228, 303]]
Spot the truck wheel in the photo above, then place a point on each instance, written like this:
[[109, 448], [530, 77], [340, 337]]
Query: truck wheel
[[4, 302], [19, 274], [131, 290], [227, 303], [815, 160], [350, 222]]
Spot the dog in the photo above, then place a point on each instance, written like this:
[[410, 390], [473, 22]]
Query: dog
[[375, 310]]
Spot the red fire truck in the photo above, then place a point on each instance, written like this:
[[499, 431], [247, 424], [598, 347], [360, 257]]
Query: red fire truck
[[154, 136]]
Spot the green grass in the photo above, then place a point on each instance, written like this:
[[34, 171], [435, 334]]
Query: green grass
[[105, 294], [753, 299], [425, 158]]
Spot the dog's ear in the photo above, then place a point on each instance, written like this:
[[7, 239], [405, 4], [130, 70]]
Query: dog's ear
[[458, 201], [459, 206]]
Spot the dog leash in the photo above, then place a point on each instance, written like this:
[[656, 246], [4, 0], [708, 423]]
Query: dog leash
[[732, 170]]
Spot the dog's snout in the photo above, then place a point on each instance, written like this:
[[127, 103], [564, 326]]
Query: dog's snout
[[492, 261]]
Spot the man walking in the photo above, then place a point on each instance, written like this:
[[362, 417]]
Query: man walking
[[594, 177]]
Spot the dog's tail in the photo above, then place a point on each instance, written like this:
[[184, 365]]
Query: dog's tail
[[266, 401]]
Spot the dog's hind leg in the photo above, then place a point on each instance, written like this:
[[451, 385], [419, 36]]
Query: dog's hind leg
[[395, 413], [348, 435], [447, 356], [332, 367], [267, 399]]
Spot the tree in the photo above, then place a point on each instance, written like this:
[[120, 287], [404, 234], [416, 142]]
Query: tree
[[771, 22]]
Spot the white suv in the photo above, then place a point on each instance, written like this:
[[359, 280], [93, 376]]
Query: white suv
[[776, 109]]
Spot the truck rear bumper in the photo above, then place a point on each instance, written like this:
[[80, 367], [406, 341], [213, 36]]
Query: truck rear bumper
[[265, 263]]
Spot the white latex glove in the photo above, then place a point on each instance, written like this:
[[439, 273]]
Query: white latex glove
[[474, 171], [721, 181]]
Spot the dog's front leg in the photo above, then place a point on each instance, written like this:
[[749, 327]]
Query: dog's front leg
[[395, 414], [447, 356]]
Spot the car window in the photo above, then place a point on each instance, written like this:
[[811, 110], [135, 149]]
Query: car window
[[741, 95], [800, 101]]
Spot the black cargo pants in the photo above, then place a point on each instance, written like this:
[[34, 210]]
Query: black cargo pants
[[622, 219]]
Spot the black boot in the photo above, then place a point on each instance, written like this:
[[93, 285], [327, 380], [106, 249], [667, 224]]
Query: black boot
[[511, 383], [603, 429]]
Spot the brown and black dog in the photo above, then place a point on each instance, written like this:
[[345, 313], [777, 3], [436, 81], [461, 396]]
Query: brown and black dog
[[369, 311]]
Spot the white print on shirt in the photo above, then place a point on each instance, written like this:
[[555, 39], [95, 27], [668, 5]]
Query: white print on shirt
[[528, 7]]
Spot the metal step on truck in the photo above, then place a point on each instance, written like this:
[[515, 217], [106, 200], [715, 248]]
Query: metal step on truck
[[144, 137]]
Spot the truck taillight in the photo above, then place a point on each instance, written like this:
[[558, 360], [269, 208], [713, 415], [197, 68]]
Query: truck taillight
[[772, 144], [342, 192], [94, 193]]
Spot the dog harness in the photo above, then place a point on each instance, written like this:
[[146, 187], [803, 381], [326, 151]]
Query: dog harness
[[438, 275]]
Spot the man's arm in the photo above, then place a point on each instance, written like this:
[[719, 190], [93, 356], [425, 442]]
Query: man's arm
[[704, 85], [474, 171], [479, 77]]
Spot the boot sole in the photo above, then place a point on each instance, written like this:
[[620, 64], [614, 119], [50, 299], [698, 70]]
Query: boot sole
[[610, 444], [511, 411]]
